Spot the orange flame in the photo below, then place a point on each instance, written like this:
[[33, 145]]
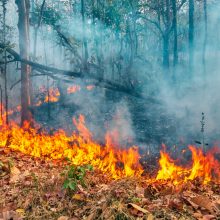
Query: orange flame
[[53, 96], [112, 159], [80, 148], [90, 87], [204, 166], [73, 89]]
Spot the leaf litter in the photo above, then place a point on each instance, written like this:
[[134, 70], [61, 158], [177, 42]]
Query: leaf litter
[[32, 188]]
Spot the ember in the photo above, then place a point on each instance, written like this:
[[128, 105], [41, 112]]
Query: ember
[[73, 89]]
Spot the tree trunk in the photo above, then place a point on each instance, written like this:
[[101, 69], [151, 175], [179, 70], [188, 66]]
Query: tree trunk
[[5, 65], [175, 43], [23, 28], [85, 45], [206, 36], [166, 35], [191, 35], [166, 61]]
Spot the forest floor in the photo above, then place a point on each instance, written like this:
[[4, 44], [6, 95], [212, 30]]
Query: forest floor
[[32, 188]]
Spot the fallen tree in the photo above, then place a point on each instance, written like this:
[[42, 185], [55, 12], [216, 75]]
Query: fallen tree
[[57, 73]]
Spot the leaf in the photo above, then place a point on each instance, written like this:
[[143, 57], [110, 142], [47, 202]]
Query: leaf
[[63, 218], [150, 217], [77, 197], [66, 184], [90, 167], [208, 217], [72, 185], [203, 202], [21, 212], [138, 208], [15, 174]]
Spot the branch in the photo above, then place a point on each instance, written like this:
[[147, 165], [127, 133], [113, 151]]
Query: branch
[[101, 82], [157, 25], [181, 4], [41, 13], [32, 75]]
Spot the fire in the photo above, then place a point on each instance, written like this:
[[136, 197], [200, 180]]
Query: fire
[[10, 112], [50, 96], [112, 159], [204, 166], [73, 89], [80, 148], [53, 95], [168, 169], [90, 87]]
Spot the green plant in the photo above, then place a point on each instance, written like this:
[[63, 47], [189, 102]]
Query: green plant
[[75, 175], [203, 133]]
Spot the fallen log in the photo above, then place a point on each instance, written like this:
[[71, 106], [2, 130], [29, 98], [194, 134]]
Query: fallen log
[[100, 82]]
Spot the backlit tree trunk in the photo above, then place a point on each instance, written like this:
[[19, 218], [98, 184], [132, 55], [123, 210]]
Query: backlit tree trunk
[[206, 35], [23, 28], [191, 35], [175, 42], [85, 44]]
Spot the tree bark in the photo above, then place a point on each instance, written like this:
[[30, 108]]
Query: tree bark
[[191, 35], [166, 61], [206, 36], [175, 42], [23, 28], [85, 45], [5, 64], [166, 35]]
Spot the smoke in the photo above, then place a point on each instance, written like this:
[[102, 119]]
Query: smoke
[[191, 95], [182, 97]]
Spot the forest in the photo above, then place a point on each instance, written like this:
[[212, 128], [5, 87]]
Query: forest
[[109, 109]]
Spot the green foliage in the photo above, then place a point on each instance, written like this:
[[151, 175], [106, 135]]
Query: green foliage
[[50, 16], [75, 175]]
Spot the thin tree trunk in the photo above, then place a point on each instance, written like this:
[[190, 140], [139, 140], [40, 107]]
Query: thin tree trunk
[[206, 36], [166, 61], [166, 36], [191, 35], [175, 43], [23, 27], [36, 29], [5, 63], [85, 45]]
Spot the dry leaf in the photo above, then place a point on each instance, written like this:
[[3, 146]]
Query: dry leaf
[[138, 208], [150, 217], [15, 174], [203, 201], [63, 218], [208, 217]]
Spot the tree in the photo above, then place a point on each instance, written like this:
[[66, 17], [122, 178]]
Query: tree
[[191, 35], [85, 46], [5, 63], [206, 35], [23, 28], [175, 41]]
